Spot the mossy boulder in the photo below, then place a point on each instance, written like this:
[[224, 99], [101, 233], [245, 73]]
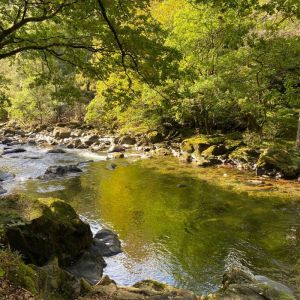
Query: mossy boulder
[[279, 162], [46, 228], [214, 150], [155, 137], [201, 143], [245, 155]]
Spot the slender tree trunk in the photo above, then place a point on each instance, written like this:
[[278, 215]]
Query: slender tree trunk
[[298, 134]]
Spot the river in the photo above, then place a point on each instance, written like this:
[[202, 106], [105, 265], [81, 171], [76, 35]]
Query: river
[[178, 224]]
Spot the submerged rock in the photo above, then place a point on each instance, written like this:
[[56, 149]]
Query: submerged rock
[[56, 151], [111, 166]]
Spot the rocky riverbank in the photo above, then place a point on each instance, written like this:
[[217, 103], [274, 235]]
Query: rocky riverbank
[[275, 161]]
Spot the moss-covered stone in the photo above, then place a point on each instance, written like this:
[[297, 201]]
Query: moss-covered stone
[[45, 228], [201, 143], [276, 161], [245, 155], [214, 150], [55, 283]]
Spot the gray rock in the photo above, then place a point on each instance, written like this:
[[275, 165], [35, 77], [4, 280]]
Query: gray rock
[[90, 139], [239, 284], [108, 242], [6, 176], [89, 266], [10, 151], [54, 171]]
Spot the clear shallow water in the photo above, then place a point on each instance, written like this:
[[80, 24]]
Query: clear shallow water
[[186, 236]]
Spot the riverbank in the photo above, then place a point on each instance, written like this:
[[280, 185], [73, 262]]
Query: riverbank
[[277, 159]]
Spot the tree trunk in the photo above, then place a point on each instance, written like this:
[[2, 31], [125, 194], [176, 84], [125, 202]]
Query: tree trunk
[[298, 134]]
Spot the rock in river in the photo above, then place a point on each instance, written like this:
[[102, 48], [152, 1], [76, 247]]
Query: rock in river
[[10, 151], [108, 242], [56, 151], [54, 171]]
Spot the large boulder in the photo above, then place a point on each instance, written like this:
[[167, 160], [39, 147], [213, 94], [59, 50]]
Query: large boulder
[[200, 143], [61, 132], [50, 228], [279, 162]]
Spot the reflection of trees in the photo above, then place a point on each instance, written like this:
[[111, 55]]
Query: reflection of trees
[[196, 225]]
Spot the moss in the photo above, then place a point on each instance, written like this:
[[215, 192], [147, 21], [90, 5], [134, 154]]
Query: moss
[[280, 160], [40, 229], [17, 272], [56, 284], [201, 142], [214, 150], [152, 284], [245, 154]]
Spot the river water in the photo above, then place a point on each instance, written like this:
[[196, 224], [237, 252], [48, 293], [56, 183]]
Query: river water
[[174, 227]]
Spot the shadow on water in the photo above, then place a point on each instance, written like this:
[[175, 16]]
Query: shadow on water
[[179, 229]]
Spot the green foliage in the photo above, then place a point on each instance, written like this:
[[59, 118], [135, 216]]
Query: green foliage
[[151, 65]]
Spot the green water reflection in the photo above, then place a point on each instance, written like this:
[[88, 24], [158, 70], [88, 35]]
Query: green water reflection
[[185, 235]]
